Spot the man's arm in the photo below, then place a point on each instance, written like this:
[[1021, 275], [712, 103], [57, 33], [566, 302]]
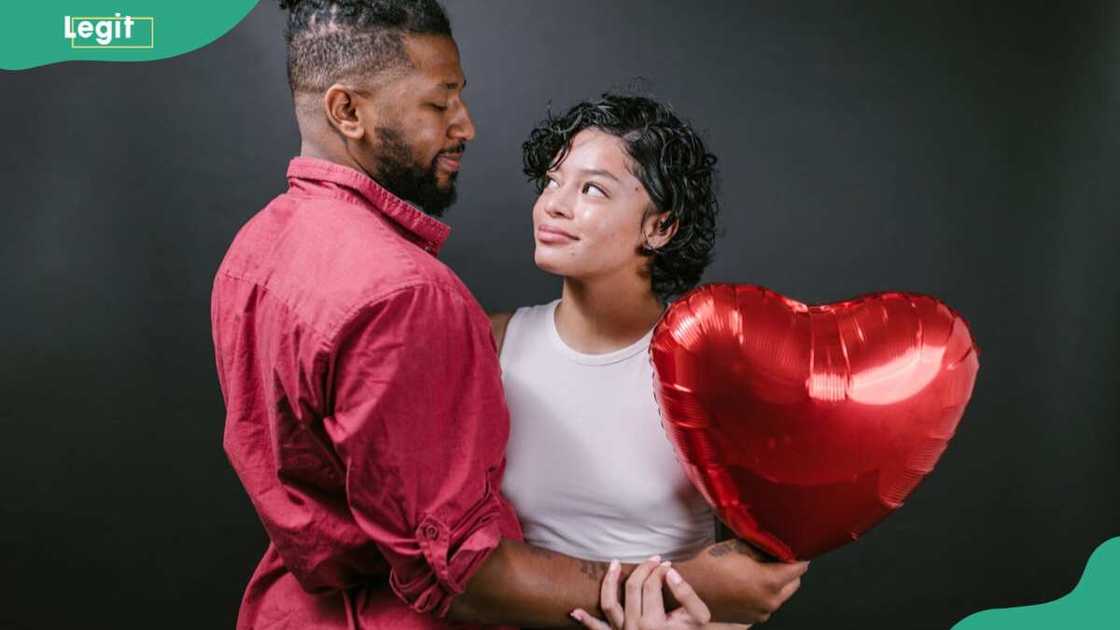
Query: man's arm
[[419, 425], [738, 584], [519, 584], [524, 585]]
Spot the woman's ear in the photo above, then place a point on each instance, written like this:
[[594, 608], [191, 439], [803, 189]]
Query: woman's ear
[[658, 229]]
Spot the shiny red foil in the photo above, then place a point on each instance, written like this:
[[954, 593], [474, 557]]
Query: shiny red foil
[[804, 426]]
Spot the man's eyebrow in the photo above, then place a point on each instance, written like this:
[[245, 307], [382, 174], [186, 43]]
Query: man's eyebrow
[[598, 171]]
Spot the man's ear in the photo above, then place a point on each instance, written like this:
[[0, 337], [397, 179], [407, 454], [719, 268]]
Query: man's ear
[[658, 229], [340, 103]]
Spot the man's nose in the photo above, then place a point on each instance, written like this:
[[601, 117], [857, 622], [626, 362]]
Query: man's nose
[[462, 128]]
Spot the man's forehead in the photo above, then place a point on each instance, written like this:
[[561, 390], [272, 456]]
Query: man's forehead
[[436, 58]]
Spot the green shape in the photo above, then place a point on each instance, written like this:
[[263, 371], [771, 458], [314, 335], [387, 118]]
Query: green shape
[[1093, 604], [51, 31]]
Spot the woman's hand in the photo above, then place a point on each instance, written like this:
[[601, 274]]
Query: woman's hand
[[644, 607]]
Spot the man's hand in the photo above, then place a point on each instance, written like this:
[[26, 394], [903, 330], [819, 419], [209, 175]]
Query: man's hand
[[739, 584]]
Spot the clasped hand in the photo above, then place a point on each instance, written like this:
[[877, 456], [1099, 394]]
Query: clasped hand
[[732, 576], [644, 606]]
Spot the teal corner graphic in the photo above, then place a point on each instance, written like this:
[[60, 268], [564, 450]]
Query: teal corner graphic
[[1094, 604], [53, 31]]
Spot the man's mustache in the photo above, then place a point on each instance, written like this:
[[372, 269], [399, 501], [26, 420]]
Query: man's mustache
[[457, 150]]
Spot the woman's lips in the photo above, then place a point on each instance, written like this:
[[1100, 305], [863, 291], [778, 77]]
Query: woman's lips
[[554, 236]]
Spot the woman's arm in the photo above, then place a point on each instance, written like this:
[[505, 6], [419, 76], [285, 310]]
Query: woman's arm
[[498, 322]]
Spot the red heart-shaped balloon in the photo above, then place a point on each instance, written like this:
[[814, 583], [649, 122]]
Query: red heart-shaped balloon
[[804, 426]]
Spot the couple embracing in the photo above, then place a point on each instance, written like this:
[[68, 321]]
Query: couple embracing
[[416, 463]]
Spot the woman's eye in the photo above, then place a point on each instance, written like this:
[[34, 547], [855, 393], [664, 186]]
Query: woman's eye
[[551, 183], [593, 190]]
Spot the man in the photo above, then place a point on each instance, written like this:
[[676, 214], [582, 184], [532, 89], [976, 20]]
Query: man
[[365, 415]]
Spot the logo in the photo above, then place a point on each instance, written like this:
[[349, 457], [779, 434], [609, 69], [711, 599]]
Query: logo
[[110, 32]]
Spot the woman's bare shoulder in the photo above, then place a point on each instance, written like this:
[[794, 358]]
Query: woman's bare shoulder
[[498, 323]]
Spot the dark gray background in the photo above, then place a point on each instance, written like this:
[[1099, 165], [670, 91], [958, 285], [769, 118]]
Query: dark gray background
[[965, 150]]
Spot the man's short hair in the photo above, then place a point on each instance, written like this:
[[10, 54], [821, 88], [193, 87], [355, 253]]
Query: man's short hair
[[670, 160], [339, 40]]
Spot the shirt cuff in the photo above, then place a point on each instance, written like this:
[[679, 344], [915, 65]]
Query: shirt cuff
[[453, 554]]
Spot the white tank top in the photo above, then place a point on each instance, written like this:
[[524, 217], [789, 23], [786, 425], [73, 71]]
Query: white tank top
[[589, 468]]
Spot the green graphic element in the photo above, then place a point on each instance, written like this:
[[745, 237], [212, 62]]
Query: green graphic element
[[121, 32], [52, 31], [1094, 604]]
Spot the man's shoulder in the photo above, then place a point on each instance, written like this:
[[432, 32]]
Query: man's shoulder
[[327, 259]]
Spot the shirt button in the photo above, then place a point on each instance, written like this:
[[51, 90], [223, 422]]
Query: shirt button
[[430, 532]]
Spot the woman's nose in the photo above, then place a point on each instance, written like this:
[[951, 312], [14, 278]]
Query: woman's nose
[[557, 205]]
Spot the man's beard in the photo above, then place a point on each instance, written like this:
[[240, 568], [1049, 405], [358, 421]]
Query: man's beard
[[400, 176]]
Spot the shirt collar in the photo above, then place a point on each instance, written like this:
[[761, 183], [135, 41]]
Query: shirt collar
[[429, 232]]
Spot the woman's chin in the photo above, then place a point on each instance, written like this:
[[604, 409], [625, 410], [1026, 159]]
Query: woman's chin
[[548, 263]]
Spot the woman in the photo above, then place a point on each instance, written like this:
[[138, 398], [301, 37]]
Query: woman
[[626, 215]]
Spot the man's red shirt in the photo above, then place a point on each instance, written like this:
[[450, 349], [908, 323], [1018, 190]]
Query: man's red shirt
[[364, 407]]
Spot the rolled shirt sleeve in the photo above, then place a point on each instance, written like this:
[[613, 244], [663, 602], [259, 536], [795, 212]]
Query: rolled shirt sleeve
[[420, 424]]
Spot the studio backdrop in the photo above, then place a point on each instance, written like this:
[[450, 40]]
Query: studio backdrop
[[963, 150]]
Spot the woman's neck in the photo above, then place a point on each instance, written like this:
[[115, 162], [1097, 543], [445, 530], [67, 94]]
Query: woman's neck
[[603, 315]]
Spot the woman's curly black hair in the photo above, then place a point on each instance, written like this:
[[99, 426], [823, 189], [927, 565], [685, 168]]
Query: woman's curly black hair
[[670, 160]]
